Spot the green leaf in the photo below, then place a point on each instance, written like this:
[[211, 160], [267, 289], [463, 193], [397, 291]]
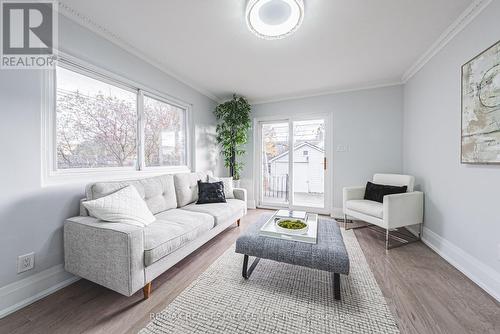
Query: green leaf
[[234, 122]]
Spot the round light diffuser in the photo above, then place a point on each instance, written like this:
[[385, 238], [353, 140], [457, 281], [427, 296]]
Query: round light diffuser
[[274, 19]]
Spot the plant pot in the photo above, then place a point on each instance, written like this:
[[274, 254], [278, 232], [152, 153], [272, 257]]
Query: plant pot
[[236, 183]]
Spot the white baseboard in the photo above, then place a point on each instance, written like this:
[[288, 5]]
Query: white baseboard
[[481, 274], [251, 204], [337, 213], [19, 294]]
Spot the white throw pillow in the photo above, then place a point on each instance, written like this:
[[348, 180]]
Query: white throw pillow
[[228, 184], [124, 206]]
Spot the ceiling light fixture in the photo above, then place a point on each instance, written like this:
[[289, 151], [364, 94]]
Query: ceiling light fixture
[[274, 19]]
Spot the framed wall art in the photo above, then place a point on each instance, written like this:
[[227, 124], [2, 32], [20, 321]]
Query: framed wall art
[[481, 108]]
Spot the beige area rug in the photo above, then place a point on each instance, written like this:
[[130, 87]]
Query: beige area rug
[[278, 298]]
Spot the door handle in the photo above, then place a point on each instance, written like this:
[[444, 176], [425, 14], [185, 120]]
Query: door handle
[[324, 163]]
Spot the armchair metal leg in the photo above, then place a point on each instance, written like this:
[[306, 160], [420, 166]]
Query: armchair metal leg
[[354, 225], [402, 236]]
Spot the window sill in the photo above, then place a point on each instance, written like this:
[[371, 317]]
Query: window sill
[[67, 177]]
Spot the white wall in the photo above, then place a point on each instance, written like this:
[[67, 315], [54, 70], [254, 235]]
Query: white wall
[[461, 201], [31, 216], [368, 121]]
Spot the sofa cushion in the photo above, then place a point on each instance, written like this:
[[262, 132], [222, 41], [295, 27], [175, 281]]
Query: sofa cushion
[[186, 187], [158, 191], [371, 208], [163, 237], [220, 211], [123, 206], [376, 192], [228, 185], [211, 192], [186, 217]]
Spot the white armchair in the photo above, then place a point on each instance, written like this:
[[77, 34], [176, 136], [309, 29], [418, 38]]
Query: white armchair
[[396, 211]]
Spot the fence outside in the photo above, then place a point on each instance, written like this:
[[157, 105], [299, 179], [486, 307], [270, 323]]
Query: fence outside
[[276, 186]]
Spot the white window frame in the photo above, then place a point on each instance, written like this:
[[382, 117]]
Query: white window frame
[[257, 163], [140, 160], [53, 176]]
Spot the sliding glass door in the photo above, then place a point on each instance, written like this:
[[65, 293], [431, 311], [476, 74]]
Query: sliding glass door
[[293, 164], [309, 163], [275, 169]]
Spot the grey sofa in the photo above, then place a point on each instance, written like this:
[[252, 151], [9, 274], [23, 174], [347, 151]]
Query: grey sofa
[[126, 258]]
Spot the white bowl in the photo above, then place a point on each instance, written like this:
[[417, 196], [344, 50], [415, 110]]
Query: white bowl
[[290, 231]]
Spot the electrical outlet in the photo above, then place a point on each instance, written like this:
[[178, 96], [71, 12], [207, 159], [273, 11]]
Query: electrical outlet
[[25, 262]]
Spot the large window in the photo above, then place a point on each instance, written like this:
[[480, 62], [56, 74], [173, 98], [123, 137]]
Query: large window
[[103, 123], [164, 133], [96, 123]]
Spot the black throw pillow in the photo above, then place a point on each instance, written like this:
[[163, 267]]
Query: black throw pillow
[[211, 192], [376, 192]]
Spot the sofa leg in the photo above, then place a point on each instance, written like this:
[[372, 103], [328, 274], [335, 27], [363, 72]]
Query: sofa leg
[[238, 222], [147, 290]]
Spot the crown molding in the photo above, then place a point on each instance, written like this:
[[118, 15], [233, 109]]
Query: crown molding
[[93, 26], [458, 25], [275, 99]]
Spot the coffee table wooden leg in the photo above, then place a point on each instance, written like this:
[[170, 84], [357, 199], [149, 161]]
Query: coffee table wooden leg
[[336, 286], [248, 271]]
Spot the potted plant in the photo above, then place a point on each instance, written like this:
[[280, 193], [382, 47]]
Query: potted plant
[[233, 118]]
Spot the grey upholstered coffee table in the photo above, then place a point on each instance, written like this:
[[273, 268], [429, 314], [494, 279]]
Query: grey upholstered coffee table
[[328, 254]]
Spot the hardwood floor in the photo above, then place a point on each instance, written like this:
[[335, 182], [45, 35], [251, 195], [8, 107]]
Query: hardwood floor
[[424, 292]]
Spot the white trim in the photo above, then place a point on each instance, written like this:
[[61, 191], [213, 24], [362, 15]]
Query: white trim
[[328, 177], [51, 176], [481, 274], [337, 213], [19, 294], [100, 71], [107, 175], [251, 204], [457, 26], [187, 126], [257, 152], [141, 125], [88, 23], [319, 93]]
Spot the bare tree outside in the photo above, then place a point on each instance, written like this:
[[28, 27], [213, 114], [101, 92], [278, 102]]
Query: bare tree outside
[[164, 133], [95, 124]]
